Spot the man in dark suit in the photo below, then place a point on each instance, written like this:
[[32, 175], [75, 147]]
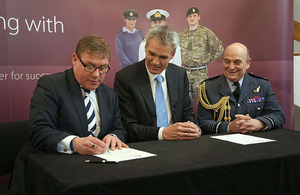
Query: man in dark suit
[[58, 116], [237, 101], [136, 87]]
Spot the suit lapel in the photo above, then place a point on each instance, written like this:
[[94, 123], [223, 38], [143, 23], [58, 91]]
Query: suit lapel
[[101, 98], [224, 88], [172, 84], [77, 98], [247, 87], [144, 86]]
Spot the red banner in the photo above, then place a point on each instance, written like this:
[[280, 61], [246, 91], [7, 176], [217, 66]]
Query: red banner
[[41, 40]]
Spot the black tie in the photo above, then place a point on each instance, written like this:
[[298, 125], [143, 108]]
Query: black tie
[[237, 91]]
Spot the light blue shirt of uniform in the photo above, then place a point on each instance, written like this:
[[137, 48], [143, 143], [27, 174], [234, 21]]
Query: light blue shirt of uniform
[[128, 31]]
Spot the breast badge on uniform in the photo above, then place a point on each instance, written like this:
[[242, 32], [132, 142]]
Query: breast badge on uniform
[[256, 99], [256, 90]]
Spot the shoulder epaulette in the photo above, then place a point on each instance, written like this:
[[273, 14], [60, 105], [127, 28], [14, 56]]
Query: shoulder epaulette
[[210, 79], [253, 75]]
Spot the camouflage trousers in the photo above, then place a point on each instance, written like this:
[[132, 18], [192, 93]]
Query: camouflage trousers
[[195, 78]]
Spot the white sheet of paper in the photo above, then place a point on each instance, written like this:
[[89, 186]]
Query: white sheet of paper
[[124, 154], [242, 139]]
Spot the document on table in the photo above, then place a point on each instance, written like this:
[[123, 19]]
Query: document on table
[[242, 139], [124, 154]]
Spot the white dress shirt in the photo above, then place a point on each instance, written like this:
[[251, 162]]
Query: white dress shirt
[[167, 99]]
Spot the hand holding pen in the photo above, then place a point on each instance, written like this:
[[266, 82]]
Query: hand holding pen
[[93, 145], [88, 145]]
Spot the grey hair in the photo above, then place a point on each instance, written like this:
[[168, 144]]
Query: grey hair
[[248, 54], [165, 35]]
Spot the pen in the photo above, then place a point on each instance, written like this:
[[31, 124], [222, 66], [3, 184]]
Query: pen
[[100, 161], [92, 134]]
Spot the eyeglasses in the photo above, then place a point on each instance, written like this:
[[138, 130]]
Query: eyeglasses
[[103, 69]]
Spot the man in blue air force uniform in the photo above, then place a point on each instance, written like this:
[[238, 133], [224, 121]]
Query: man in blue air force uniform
[[237, 101]]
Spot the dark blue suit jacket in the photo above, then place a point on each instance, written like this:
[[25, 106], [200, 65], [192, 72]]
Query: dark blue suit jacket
[[137, 105], [267, 110], [57, 111]]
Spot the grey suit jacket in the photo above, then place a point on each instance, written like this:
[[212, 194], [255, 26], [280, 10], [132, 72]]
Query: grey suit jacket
[[136, 100], [57, 110], [261, 105]]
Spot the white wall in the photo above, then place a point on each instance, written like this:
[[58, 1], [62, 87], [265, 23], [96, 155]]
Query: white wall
[[297, 18], [297, 80], [297, 58]]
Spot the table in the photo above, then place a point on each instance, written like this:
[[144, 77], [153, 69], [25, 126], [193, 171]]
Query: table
[[201, 166]]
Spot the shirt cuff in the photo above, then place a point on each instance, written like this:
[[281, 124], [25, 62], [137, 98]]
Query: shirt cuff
[[160, 132], [64, 145], [228, 127]]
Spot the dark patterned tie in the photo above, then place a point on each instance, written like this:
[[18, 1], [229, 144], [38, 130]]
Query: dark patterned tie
[[90, 111], [236, 93]]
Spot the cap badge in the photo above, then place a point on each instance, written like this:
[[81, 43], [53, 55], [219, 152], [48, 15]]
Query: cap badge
[[194, 10], [131, 14], [157, 15]]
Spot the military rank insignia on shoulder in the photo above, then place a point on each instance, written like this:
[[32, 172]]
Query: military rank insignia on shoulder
[[253, 75], [211, 79]]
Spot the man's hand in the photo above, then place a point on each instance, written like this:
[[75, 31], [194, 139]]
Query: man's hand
[[245, 124], [113, 141], [181, 131], [88, 145]]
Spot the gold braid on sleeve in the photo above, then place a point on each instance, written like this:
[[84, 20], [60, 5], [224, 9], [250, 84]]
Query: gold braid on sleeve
[[222, 105]]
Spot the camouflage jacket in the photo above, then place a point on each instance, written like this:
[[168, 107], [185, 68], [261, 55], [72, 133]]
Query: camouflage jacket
[[199, 47]]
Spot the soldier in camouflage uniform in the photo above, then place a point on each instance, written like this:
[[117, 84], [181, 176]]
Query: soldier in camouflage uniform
[[199, 47]]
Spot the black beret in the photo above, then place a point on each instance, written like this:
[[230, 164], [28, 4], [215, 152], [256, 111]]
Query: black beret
[[192, 10]]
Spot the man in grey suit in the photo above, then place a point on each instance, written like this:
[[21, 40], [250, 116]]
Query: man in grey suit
[[136, 87], [58, 115], [237, 101]]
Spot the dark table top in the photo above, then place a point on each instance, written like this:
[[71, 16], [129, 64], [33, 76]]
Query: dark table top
[[204, 165]]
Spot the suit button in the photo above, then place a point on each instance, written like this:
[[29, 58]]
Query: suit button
[[65, 150], [258, 108], [239, 105]]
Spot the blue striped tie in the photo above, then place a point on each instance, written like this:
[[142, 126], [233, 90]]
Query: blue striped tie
[[160, 103], [91, 118]]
